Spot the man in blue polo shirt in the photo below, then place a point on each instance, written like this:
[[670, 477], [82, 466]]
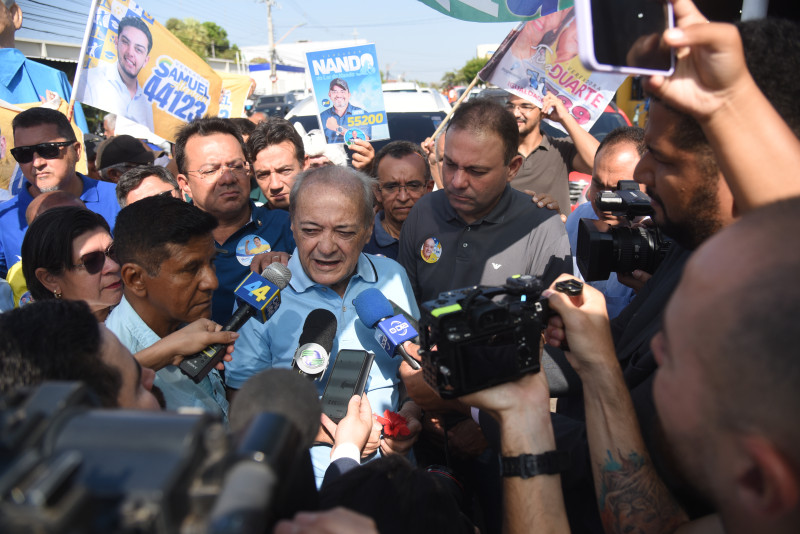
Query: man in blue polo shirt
[[47, 152], [331, 210], [215, 172], [334, 119]]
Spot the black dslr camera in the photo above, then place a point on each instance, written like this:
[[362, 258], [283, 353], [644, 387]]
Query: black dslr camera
[[481, 341], [603, 249]]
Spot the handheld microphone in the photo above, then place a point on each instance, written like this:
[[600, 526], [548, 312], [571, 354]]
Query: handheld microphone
[[375, 311], [314, 346], [259, 297], [397, 310]]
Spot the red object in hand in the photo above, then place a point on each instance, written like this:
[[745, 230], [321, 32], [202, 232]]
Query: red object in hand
[[394, 424]]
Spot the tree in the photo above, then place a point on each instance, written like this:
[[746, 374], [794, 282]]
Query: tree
[[206, 39], [472, 68]]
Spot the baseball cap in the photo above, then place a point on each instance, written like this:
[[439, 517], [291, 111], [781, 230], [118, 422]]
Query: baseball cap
[[122, 149], [340, 82]]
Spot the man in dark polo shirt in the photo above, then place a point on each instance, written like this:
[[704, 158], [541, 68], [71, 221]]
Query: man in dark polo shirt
[[404, 176], [478, 230], [546, 161]]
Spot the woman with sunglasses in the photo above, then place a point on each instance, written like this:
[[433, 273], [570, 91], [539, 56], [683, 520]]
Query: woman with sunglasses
[[68, 253]]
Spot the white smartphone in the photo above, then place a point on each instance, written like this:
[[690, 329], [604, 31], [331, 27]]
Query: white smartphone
[[623, 36]]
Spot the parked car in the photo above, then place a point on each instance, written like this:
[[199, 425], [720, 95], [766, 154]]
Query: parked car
[[413, 113], [275, 105]]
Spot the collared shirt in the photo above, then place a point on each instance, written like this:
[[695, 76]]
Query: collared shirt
[[105, 89], [617, 294], [516, 237], [24, 81], [546, 170], [100, 197], [335, 136], [232, 261], [272, 344], [382, 243], [179, 390]]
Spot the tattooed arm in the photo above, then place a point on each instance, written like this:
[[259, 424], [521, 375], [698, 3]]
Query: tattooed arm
[[630, 494]]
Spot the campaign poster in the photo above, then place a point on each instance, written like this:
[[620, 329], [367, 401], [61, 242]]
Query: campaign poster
[[236, 88], [541, 57], [497, 10], [11, 178], [347, 89], [136, 68]]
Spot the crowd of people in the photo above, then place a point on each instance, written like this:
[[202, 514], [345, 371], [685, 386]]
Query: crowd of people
[[665, 399]]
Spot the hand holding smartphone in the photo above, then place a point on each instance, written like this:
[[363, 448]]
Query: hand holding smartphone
[[625, 36]]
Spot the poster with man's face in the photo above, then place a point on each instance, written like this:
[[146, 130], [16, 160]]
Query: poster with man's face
[[134, 67], [347, 89]]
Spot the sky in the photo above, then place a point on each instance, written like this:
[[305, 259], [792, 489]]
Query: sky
[[412, 39]]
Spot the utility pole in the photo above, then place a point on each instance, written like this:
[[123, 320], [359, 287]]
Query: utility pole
[[273, 55]]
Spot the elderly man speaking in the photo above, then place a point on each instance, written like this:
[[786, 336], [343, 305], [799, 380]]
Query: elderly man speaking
[[331, 216]]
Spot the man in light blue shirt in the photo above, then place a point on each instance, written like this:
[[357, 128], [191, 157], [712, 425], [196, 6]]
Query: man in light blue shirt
[[166, 252], [331, 214], [615, 160]]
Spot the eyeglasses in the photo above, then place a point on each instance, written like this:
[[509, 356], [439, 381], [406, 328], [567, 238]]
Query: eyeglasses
[[524, 108], [24, 154], [212, 172], [93, 262], [412, 188]]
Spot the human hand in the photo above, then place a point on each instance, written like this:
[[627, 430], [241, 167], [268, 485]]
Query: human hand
[[710, 66], [335, 521], [402, 444], [265, 259], [356, 426], [420, 392], [634, 280], [543, 200], [363, 154], [193, 338], [582, 320], [553, 108]]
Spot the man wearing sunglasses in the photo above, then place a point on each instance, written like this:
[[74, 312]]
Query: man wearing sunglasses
[[47, 151], [214, 171], [403, 178]]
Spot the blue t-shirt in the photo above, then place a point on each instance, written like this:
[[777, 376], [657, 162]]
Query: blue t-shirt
[[268, 230], [100, 197], [336, 136], [23, 81]]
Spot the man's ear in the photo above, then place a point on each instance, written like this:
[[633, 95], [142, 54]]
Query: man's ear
[[769, 485], [306, 162], [514, 166], [49, 280], [135, 279], [16, 16], [183, 183]]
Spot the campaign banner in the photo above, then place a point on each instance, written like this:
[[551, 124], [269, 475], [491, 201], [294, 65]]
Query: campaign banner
[[235, 90], [347, 89], [497, 10], [134, 67], [541, 57], [11, 178]]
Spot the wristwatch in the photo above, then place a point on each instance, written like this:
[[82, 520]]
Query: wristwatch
[[530, 465]]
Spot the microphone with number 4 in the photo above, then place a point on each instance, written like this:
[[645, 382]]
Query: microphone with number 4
[[391, 330], [314, 347], [259, 297]]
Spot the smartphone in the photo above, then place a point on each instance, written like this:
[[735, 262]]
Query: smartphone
[[623, 36], [348, 377]]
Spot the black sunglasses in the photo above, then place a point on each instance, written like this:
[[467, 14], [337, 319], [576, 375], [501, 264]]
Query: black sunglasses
[[24, 154], [93, 262]]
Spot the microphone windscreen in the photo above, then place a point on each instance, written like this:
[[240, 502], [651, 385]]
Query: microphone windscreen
[[278, 274], [279, 391], [319, 328], [372, 306]]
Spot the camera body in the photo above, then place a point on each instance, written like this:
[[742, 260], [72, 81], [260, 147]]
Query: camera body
[[603, 249], [482, 340]]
